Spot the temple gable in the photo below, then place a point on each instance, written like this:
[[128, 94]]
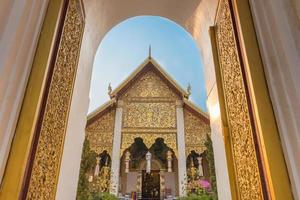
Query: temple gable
[[150, 85]]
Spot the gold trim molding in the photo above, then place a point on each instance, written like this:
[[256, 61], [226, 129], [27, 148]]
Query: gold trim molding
[[46, 164]]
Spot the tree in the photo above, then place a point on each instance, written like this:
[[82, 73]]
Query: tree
[[88, 161], [211, 165]]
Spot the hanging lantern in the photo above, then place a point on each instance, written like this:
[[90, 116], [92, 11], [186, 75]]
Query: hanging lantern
[[169, 159], [97, 168], [127, 159], [148, 160]]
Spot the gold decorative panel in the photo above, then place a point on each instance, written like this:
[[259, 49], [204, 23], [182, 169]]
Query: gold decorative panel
[[149, 115], [149, 85], [46, 163], [100, 133], [149, 139], [244, 155], [195, 132]]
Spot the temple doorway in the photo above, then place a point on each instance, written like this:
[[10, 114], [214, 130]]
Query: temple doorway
[[151, 185], [148, 171]]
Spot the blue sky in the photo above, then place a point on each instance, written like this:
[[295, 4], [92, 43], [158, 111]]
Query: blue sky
[[126, 46]]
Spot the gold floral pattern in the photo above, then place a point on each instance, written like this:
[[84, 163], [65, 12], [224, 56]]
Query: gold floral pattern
[[149, 112], [149, 115], [244, 155], [149, 103], [46, 164], [100, 133], [149, 85], [195, 132]]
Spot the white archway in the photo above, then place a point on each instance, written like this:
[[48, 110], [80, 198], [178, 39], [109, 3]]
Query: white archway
[[195, 17]]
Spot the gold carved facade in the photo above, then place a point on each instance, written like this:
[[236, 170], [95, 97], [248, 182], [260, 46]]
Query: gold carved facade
[[247, 174], [46, 163], [149, 115], [100, 133], [149, 112], [196, 131]]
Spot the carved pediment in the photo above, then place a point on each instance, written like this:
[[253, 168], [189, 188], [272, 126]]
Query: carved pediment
[[150, 85], [149, 80]]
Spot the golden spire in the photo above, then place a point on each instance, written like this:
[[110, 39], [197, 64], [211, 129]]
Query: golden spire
[[149, 53]]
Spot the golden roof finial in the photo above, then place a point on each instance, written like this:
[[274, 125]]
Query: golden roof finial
[[109, 89], [149, 55]]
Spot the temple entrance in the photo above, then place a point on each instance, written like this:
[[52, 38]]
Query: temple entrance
[[151, 185], [149, 171]]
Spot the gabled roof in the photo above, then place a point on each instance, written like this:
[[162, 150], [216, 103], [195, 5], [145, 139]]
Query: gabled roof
[[100, 111], [148, 63], [196, 110]]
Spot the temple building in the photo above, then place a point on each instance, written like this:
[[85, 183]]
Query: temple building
[[149, 139]]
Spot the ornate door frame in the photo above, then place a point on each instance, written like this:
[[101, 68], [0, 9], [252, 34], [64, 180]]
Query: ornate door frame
[[249, 127], [248, 149], [44, 165], [34, 164]]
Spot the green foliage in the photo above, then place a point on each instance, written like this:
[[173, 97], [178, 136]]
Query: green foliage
[[211, 164], [88, 161], [198, 197], [102, 196]]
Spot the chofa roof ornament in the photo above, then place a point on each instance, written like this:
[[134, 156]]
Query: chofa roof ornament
[[109, 90], [189, 90]]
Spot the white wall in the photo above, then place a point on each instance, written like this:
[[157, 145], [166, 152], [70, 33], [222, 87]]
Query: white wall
[[170, 182], [222, 176], [20, 24], [131, 182]]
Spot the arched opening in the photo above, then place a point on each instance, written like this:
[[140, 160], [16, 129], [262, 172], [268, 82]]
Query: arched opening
[[121, 50], [126, 45], [188, 22], [159, 181]]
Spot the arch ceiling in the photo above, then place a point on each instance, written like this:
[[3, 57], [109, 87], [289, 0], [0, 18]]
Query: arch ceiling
[[103, 15]]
